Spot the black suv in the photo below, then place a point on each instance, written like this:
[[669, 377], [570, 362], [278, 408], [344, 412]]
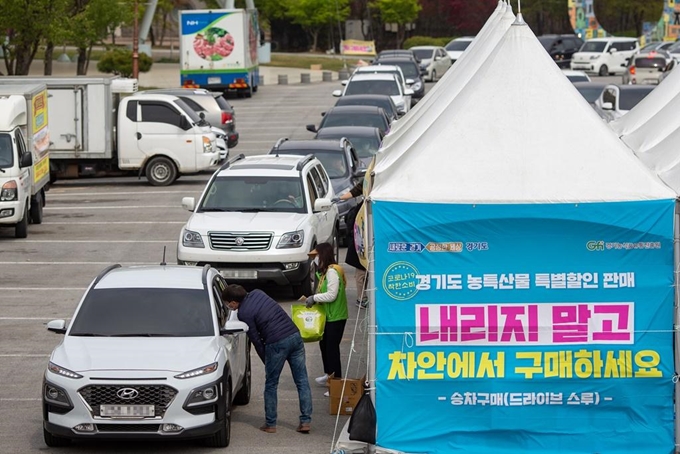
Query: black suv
[[341, 162], [561, 47]]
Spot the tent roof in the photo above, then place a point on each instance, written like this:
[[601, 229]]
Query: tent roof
[[517, 133]]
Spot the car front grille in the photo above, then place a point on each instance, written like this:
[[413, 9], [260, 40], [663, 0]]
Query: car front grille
[[152, 428], [160, 396], [226, 241]]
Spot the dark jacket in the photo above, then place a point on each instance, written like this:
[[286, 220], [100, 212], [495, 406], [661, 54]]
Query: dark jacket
[[352, 258], [267, 322]]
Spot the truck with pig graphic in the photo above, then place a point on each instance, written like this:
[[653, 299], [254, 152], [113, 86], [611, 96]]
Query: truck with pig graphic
[[218, 50]]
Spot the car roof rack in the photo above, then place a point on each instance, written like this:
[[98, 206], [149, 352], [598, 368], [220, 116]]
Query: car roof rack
[[279, 143], [301, 165], [232, 160], [104, 272], [204, 275]]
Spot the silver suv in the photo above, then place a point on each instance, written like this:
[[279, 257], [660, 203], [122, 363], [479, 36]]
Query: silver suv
[[259, 217]]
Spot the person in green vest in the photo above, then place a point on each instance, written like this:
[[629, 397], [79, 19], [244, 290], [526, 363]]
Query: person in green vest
[[330, 292]]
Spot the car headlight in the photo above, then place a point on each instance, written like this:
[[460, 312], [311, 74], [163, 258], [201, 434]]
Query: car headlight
[[417, 86], [192, 239], [9, 191], [56, 369], [208, 145], [594, 57], [291, 239], [204, 395], [205, 370]]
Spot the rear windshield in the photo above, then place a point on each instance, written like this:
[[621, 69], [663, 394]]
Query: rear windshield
[[646, 62], [144, 312], [254, 194], [590, 93], [577, 78], [334, 162], [365, 147], [593, 46], [458, 45], [386, 103], [372, 87], [422, 54], [6, 151], [409, 68], [224, 105], [631, 98], [346, 119]]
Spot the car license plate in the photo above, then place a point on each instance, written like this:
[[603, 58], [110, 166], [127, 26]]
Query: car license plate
[[214, 80], [239, 274], [127, 411]]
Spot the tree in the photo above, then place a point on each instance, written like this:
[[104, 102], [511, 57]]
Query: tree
[[468, 17], [625, 17], [119, 62], [400, 12], [314, 15]]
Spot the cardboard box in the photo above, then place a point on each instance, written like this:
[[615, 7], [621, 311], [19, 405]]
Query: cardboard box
[[354, 388], [316, 67]]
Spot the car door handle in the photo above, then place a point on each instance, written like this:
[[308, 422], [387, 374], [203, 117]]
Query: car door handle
[[139, 135]]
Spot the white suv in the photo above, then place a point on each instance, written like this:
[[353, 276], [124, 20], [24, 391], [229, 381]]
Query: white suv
[[259, 217], [151, 352]]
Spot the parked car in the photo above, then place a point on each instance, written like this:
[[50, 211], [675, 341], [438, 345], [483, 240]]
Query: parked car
[[656, 45], [354, 116], [151, 353], [667, 70], [591, 91], [389, 69], [217, 110], [674, 50], [605, 56], [457, 46], [617, 100], [365, 139], [576, 76], [411, 71], [561, 48], [646, 68], [341, 162], [378, 84], [383, 101], [258, 218], [434, 60], [399, 53]]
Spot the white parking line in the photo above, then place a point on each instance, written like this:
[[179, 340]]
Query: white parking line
[[20, 399], [46, 289], [78, 263], [30, 318], [114, 222], [111, 207], [94, 241], [23, 355], [66, 193]]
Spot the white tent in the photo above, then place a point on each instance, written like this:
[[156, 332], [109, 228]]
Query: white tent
[[493, 198], [399, 140]]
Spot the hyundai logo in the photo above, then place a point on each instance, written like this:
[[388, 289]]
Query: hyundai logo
[[127, 393], [239, 241]]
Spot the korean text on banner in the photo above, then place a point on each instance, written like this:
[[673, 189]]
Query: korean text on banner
[[356, 47], [545, 321]]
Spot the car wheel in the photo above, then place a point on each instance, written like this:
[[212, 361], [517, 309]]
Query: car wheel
[[604, 71], [434, 76], [221, 438], [242, 397], [55, 442], [21, 229], [161, 171], [255, 88], [37, 208]]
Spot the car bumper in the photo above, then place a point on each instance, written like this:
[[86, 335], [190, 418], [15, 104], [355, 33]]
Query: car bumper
[[10, 212], [206, 161], [197, 432], [232, 139], [274, 272]]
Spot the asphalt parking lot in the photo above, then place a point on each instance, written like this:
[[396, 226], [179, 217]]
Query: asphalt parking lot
[[92, 223]]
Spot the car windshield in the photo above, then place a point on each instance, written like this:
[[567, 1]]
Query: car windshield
[[373, 87], [6, 152], [374, 71], [577, 78], [365, 147], [386, 103], [674, 48], [650, 47], [458, 45], [144, 312], [254, 194], [354, 119], [408, 68], [422, 54], [334, 162], [593, 46], [630, 98], [590, 93], [546, 42]]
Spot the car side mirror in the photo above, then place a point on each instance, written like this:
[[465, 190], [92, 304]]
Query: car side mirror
[[26, 160], [337, 93], [233, 327], [408, 92], [343, 82], [423, 71], [57, 326], [202, 115], [410, 81], [188, 203], [311, 128], [607, 106], [360, 173], [322, 205], [612, 50]]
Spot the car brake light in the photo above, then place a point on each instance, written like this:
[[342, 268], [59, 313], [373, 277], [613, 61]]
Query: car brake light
[[632, 70], [227, 118]]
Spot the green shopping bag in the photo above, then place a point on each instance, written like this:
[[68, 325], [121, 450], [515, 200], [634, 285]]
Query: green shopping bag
[[310, 321]]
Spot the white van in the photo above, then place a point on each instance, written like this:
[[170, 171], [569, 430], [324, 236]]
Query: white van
[[605, 56]]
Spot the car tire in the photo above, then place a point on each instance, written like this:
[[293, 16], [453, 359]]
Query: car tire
[[242, 397], [53, 441], [37, 208], [255, 88], [248, 92], [604, 71], [161, 171], [222, 437], [21, 229]]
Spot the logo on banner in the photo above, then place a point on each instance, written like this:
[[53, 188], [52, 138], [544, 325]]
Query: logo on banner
[[400, 280]]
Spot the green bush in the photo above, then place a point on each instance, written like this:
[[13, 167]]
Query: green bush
[[425, 41], [119, 62]]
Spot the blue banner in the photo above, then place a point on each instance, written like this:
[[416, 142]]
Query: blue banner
[[524, 328]]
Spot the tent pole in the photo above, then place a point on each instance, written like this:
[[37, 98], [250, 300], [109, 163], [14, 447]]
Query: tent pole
[[676, 321], [370, 252]]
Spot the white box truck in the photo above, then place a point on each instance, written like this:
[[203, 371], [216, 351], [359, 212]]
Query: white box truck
[[24, 156], [218, 50], [96, 130]]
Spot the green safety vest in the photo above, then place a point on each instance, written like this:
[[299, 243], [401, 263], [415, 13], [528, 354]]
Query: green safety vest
[[335, 310]]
